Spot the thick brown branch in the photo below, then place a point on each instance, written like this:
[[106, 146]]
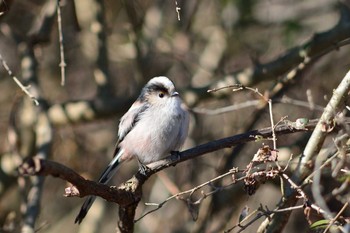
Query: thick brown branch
[[124, 195]]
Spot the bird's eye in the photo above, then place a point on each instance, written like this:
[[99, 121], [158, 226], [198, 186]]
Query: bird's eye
[[161, 95]]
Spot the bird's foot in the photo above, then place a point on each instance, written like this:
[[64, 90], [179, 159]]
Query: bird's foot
[[143, 169], [175, 154]]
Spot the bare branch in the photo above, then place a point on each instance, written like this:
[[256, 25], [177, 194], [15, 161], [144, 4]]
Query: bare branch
[[23, 88], [317, 138], [313, 147], [336, 217], [177, 9], [191, 191], [41, 167], [60, 38]]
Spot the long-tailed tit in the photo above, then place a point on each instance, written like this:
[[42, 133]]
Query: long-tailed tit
[[154, 126]]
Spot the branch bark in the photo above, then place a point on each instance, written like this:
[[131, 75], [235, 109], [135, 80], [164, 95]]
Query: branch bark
[[129, 193]]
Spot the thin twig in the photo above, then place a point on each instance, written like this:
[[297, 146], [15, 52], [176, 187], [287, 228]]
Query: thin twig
[[295, 187], [23, 88], [239, 224], [60, 37], [250, 222], [177, 9], [274, 139], [226, 109], [287, 100], [256, 91], [251, 103], [308, 179], [191, 191], [225, 87], [336, 217], [303, 195]]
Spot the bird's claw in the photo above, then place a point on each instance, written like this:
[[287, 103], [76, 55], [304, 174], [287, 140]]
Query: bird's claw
[[143, 169], [175, 154]]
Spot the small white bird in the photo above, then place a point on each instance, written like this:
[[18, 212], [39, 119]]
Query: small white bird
[[154, 126]]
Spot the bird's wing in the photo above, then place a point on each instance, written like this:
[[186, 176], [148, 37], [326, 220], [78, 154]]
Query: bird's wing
[[129, 120]]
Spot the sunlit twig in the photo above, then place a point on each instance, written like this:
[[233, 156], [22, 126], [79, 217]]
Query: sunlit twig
[[23, 88], [191, 191], [60, 37]]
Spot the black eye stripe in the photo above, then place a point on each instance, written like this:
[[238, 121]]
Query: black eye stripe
[[156, 87]]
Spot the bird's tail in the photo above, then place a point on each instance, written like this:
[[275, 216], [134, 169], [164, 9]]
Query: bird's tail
[[107, 174]]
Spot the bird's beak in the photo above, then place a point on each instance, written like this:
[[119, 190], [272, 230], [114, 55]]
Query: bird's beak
[[175, 94]]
